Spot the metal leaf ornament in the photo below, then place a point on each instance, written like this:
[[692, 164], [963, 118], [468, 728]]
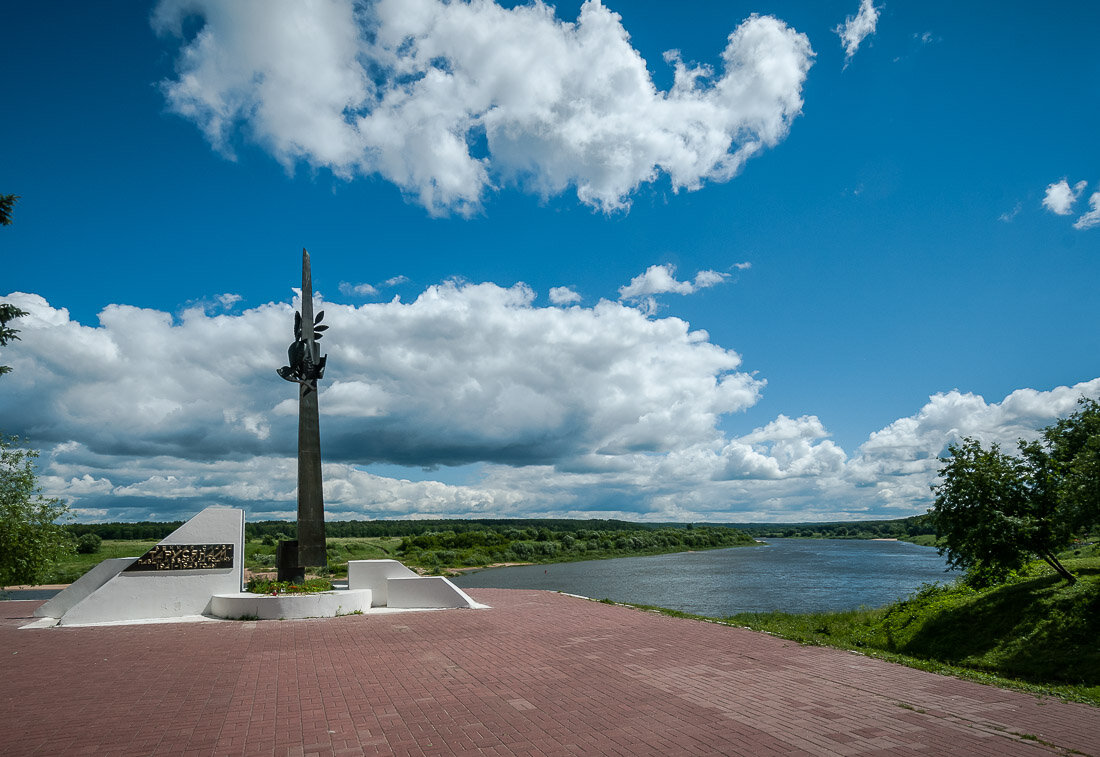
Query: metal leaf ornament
[[302, 370]]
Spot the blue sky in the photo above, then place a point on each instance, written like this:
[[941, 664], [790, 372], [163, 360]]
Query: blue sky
[[907, 256]]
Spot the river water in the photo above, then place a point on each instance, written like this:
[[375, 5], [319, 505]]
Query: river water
[[793, 575]]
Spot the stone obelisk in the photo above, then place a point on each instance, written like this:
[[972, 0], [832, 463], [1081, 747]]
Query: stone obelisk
[[307, 365], [311, 503]]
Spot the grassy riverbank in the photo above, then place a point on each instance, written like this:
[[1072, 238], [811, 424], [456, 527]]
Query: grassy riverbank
[[1036, 632]]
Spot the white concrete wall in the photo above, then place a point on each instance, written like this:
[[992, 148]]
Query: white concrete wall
[[79, 589], [169, 594], [394, 585], [372, 574], [426, 592]]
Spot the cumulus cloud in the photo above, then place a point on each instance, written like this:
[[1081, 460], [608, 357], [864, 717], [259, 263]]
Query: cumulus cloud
[[594, 411], [661, 279], [464, 373], [901, 460], [1060, 196], [450, 100], [563, 296], [1092, 217], [857, 28]]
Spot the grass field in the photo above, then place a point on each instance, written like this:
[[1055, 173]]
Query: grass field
[[75, 566], [261, 557]]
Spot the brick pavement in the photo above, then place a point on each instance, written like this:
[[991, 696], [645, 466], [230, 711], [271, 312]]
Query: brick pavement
[[539, 674]]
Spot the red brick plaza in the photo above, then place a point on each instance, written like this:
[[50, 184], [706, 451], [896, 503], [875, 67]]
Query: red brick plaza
[[539, 674]]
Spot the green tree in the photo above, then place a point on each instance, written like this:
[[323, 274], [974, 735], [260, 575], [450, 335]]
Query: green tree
[[31, 539], [8, 313], [7, 204], [995, 511], [1074, 445]]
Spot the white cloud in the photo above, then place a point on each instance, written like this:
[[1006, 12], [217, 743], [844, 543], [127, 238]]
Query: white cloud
[[742, 266], [402, 88], [1009, 215], [464, 373], [572, 412], [357, 290], [901, 459], [1060, 196], [661, 279], [563, 296], [1092, 217], [857, 28]]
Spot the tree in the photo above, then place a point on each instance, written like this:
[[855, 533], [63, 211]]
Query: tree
[[1074, 444], [7, 204], [31, 539], [994, 511], [8, 313]]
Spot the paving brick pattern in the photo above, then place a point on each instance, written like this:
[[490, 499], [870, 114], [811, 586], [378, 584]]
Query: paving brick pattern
[[539, 674]]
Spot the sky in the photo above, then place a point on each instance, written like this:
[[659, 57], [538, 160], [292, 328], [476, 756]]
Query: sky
[[726, 262]]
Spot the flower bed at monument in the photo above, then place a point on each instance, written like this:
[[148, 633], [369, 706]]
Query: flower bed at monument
[[309, 586]]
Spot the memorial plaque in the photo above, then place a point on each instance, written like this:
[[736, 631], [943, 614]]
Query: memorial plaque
[[184, 557]]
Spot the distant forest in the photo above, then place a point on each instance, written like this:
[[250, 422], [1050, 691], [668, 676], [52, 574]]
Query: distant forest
[[530, 528], [903, 528]]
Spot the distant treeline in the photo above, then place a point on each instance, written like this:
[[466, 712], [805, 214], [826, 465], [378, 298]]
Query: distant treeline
[[256, 530], [902, 528], [528, 529], [489, 545]]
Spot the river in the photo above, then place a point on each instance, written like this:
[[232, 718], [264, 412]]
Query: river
[[793, 575]]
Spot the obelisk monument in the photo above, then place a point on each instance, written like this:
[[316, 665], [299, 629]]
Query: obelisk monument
[[306, 367]]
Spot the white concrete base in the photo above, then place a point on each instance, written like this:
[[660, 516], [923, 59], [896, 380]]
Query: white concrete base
[[395, 586], [328, 604]]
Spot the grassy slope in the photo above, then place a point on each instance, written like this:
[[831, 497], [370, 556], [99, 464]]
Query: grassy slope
[[1036, 631]]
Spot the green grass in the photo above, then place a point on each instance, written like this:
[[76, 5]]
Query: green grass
[[1037, 632], [76, 565], [922, 540], [260, 557]]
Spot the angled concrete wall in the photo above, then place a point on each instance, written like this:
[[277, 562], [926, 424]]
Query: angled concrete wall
[[426, 591], [393, 585], [373, 574], [82, 587], [130, 595]]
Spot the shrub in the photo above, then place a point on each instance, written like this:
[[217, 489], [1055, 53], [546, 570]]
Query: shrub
[[88, 544]]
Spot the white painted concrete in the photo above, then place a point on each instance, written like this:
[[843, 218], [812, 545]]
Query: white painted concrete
[[372, 574], [79, 589], [128, 596], [327, 604], [397, 587], [427, 591]]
